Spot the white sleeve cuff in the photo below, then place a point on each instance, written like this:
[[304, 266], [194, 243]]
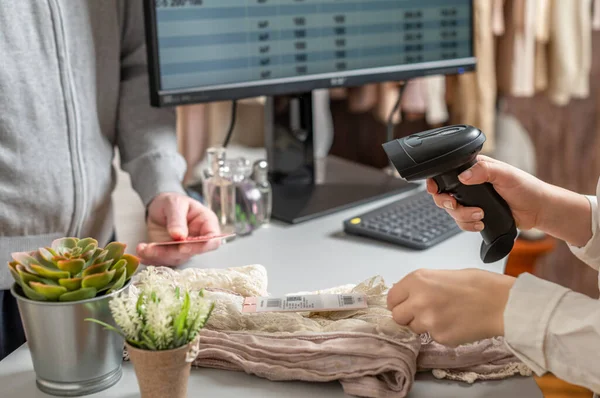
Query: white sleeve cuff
[[590, 253], [530, 307]]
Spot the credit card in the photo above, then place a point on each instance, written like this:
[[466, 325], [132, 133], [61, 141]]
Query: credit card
[[192, 239]]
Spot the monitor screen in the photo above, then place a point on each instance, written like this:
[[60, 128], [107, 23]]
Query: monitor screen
[[206, 50]]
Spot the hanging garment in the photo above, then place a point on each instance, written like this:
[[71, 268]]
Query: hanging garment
[[323, 123], [498, 17], [414, 98], [465, 100], [436, 109], [387, 98], [570, 50], [517, 48], [362, 99], [596, 15], [542, 38], [581, 87], [523, 82], [474, 93]]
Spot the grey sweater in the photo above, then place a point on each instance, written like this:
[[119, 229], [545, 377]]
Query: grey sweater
[[73, 86]]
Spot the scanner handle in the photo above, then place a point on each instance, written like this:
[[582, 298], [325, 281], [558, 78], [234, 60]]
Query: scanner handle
[[500, 230]]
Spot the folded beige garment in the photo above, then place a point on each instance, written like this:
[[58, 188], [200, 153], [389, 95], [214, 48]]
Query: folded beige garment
[[365, 350], [366, 365], [484, 360]]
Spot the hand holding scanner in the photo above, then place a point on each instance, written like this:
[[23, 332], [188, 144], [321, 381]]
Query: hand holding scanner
[[444, 153]]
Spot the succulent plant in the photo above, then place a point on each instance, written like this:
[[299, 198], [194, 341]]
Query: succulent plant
[[73, 269]]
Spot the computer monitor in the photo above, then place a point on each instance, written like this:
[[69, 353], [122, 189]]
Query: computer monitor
[[213, 50]]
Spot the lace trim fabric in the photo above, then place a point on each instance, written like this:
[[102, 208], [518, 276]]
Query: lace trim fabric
[[253, 342]]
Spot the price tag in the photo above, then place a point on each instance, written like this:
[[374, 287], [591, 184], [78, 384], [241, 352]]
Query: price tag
[[302, 303]]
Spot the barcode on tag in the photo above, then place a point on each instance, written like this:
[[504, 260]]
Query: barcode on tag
[[311, 302], [274, 303]]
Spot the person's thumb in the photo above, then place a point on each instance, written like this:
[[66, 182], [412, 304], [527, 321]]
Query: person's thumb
[[176, 215], [493, 172]]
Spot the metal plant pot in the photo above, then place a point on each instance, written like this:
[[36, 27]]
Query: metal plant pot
[[71, 356]]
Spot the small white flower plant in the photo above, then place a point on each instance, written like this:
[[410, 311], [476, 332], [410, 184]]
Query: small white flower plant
[[156, 315]]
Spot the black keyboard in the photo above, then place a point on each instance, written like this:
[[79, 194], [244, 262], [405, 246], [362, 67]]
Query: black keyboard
[[414, 222]]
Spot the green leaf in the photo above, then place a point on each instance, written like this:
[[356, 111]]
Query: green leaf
[[179, 321], [89, 261], [208, 314], [139, 306], [63, 252], [84, 243], [88, 247], [99, 257], [119, 264], [98, 281], [118, 283], [115, 250], [64, 243], [32, 294], [73, 266], [26, 268], [49, 273], [88, 253], [50, 282], [133, 263], [135, 343], [182, 340], [52, 293], [51, 251], [45, 258], [71, 283], [147, 340], [76, 252], [120, 272], [79, 295], [26, 276], [107, 326], [16, 276], [24, 258], [97, 268]]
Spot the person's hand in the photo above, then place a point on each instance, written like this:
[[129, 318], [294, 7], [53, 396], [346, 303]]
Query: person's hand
[[172, 216], [525, 194], [455, 307]]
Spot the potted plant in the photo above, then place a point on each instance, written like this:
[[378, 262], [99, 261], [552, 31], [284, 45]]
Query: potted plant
[[56, 289], [160, 324]]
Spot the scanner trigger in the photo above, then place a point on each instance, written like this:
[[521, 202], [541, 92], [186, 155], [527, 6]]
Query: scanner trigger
[[441, 186]]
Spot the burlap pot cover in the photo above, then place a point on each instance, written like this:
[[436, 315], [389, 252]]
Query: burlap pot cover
[[162, 374]]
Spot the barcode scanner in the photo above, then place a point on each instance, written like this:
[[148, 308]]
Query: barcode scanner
[[442, 154]]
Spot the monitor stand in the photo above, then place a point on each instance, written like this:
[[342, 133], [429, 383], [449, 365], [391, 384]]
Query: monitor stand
[[305, 188]]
